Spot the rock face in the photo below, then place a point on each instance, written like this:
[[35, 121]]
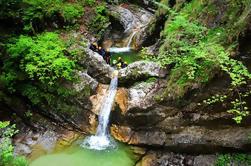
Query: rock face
[[159, 158], [36, 144], [131, 18], [97, 67], [141, 70], [134, 21], [85, 81], [187, 129]]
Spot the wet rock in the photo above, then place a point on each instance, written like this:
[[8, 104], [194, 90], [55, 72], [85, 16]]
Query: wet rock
[[147, 160], [134, 20], [121, 133], [141, 70], [98, 98], [66, 140], [204, 160], [97, 67], [121, 99], [28, 144], [22, 149], [131, 17], [161, 158], [152, 138], [189, 139], [85, 81]]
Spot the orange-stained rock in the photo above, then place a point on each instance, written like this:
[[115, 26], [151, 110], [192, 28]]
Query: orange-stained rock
[[121, 133], [97, 99], [66, 140], [93, 123], [122, 99], [147, 160]]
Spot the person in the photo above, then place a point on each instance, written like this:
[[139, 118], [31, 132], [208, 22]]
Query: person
[[119, 66], [93, 47], [124, 65], [119, 60], [114, 62], [108, 56], [101, 52]]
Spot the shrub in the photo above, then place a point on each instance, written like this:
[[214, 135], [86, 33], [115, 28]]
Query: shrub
[[71, 12], [37, 12], [42, 58], [37, 68], [6, 148], [100, 21]]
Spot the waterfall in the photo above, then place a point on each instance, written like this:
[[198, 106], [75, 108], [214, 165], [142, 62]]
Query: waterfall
[[101, 140], [130, 39], [124, 49]]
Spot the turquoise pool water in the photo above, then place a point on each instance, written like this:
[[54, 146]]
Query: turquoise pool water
[[77, 156]]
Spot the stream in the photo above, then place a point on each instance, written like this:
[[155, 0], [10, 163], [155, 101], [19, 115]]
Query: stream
[[101, 149], [94, 150]]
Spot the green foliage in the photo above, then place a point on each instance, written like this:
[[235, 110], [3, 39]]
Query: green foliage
[[35, 13], [89, 2], [215, 99], [197, 51], [239, 110], [234, 159], [71, 12], [223, 160], [6, 148], [100, 21], [9, 8], [150, 80], [37, 68], [42, 58]]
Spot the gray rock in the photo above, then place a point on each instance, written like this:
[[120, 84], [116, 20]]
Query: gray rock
[[141, 70], [97, 67], [135, 21], [22, 149], [204, 160], [85, 80], [131, 17]]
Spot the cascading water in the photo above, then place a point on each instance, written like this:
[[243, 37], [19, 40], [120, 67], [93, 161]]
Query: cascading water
[[130, 39], [124, 49], [101, 140]]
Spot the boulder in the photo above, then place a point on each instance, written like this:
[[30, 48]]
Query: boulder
[[141, 70], [97, 67], [85, 81], [162, 158], [131, 17]]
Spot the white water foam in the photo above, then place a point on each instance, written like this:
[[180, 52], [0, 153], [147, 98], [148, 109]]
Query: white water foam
[[101, 140], [118, 50]]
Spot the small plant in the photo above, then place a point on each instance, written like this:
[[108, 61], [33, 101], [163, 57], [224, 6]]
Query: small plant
[[239, 110], [223, 160], [89, 2], [100, 21], [71, 12], [233, 159], [6, 148], [215, 99]]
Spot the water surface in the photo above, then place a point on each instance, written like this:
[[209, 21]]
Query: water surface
[[129, 57], [77, 156]]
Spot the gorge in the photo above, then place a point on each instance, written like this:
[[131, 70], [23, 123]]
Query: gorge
[[183, 100]]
